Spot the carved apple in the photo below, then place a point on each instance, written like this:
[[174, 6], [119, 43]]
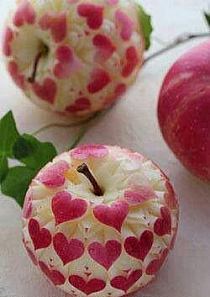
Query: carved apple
[[100, 221], [74, 57]]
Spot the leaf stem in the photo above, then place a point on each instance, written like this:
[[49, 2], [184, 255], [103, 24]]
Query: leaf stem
[[178, 41]]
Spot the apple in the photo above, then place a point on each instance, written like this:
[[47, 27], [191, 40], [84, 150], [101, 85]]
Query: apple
[[184, 110], [100, 221], [74, 57]]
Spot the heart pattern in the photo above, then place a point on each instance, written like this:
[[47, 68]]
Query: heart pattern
[[105, 47], [55, 276], [105, 255], [156, 264], [99, 80], [25, 14], [125, 283], [80, 104], [53, 176], [89, 150], [56, 23], [132, 60], [87, 287], [162, 225], [67, 63], [18, 78], [125, 23], [66, 209], [46, 91], [139, 194], [41, 237], [113, 215], [93, 14], [7, 39], [68, 251], [139, 249]]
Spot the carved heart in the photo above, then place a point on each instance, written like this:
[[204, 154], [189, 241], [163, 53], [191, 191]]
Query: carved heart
[[92, 13], [56, 23], [125, 23], [68, 251], [7, 39], [105, 47], [55, 276], [132, 60], [123, 283], [87, 287], [113, 215], [66, 209], [46, 91], [105, 255], [139, 194], [53, 176], [24, 14], [99, 80], [156, 264], [80, 104], [162, 225], [41, 237], [17, 77], [139, 248]]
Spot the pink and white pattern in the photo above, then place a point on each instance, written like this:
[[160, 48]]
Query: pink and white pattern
[[110, 245], [95, 49]]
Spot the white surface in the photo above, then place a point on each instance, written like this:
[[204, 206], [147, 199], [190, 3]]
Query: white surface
[[132, 123]]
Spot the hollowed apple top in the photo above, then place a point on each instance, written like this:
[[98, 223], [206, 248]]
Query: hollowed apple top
[[109, 244]]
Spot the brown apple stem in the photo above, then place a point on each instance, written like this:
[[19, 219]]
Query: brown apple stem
[[86, 171], [32, 78]]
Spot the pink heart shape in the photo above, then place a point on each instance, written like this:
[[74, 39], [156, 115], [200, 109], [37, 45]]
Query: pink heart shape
[[67, 63], [46, 91], [124, 283], [132, 59], [68, 251], [93, 14], [55, 276], [87, 287], [53, 176], [156, 264], [162, 225], [139, 249], [105, 47], [41, 237], [18, 78], [113, 215], [56, 23], [89, 150], [25, 13], [99, 80], [7, 39], [80, 104], [125, 23], [139, 194], [66, 209], [105, 255]]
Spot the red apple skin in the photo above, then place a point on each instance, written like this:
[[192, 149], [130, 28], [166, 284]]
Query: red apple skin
[[184, 110]]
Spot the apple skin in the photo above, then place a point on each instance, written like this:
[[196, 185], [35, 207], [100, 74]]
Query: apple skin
[[184, 110], [89, 52], [109, 245]]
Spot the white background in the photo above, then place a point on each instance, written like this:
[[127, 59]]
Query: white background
[[132, 123]]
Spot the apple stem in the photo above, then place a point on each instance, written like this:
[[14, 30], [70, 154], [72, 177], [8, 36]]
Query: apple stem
[[40, 54], [86, 171]]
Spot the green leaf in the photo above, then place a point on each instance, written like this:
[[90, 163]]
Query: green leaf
[[3, 167], [32, 152], [146, 25], [8, 134], [207, 17], [17, 182]]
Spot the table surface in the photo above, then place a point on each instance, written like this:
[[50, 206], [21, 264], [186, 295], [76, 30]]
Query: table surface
[[187, 272]]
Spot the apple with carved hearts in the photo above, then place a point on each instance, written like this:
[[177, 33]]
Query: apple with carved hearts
[[74, 57], [100, 221]]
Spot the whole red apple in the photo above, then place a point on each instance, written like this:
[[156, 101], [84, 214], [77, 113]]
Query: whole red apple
[[184, 110]]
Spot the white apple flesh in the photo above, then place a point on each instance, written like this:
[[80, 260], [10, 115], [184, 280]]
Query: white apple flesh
[[74, 57], [100, 221]]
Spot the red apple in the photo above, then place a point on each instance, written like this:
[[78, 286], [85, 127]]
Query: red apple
[[184, 110]]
